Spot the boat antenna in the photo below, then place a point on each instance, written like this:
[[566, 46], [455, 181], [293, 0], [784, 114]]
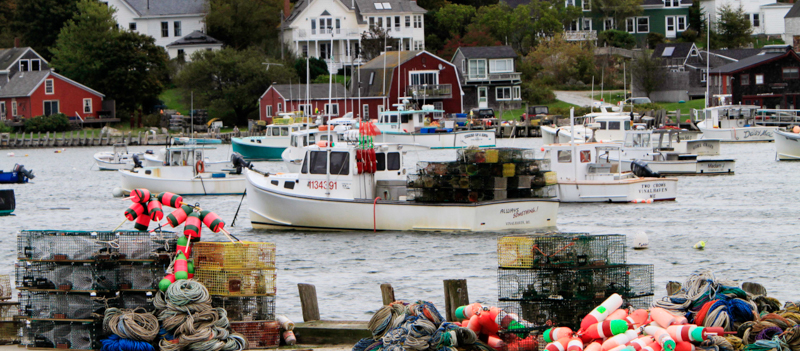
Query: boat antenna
[[308, 97], [708, 57]]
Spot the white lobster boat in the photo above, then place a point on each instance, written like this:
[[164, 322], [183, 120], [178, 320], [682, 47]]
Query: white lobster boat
[[173, 156], [731, 123], [787, 145], [329, 194], [654, 151], [115, 160], [299, 140], [408, 127]]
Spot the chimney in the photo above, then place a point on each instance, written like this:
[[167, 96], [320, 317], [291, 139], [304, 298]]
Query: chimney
[[148, 4], [287, 8], [16, 42]]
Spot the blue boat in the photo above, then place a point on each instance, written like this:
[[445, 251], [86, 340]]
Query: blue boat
[[18, 175], [196, 141]]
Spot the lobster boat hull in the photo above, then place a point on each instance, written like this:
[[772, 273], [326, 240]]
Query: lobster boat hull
[[181, 180], [259, 148]]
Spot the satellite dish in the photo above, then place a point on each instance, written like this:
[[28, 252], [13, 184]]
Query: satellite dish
[[441, 67]]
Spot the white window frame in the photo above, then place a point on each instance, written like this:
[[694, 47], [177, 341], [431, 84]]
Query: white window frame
[[52, 86], [335, 106], [506, 92], [162, 29], [280, 107], [584, 21], [38, 63], [703, 76], [755, 18], [667, 3], [435, 73], [58, 103], [569, 3], [269, 111], [177, 28], [13, 108], [648, 24], [516, 93], [759, 79], [493, 65], [365, 111], [606, 23], [27, 65], [3, 111], [417, 21], [586, 5], [477, 74], [463, 66], [408, 21], [306, 109], [630, 25], [418, 45], [680, 20], [87, 105]]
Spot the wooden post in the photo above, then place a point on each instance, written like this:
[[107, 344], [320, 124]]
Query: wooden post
[[308, 302], [455, 295], [387, 293]]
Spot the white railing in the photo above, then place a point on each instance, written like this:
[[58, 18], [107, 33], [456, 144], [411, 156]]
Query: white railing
[[580, 35], [510, 76]]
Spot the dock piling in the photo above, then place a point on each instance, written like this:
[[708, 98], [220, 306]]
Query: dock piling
[[387, 293], [308, 302], [455, 295]]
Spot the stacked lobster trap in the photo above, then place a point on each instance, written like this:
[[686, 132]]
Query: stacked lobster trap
[[68, 278], [241, 276], [483, 175], [9, 325], [556, 279]]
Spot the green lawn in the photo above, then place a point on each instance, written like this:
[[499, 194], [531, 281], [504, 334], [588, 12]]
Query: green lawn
[[174, 100], [684, 107], [514, 114]]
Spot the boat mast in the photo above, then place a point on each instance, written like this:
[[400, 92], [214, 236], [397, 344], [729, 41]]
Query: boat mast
[[308, 98], [708, 59], [572, 142], [328, 122]]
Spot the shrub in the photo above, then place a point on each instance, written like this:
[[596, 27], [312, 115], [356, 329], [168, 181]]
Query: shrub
[[534, 92], [52, 123], [654, 39], [690, 35], [617, 38]]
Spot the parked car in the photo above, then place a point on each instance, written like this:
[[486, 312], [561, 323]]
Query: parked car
[[635, 101], [482, 113]]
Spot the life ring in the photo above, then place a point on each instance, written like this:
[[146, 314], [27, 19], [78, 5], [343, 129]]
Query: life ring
[[200, 166]]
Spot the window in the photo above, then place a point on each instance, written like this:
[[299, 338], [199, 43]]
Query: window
[[269, 110], [371, 77], [756, 20], [340, 163], [501, 66], [587, 5], [516, 93], [418, 45], [681, 23], [181, 55], [642, 24], [379, 23], [388, 22], [365, 114], [24, 65], [586, 156], [381, 161], [667, 3], [36, 65], [503, 93], [332, 109], [759, 79], [477, 69], [613, 125], [50, 107], [408, 21], [48, 87], [387, 6], [338, 27], [569, 3], [393, 161], [397, 23], [280, 107], [408, 45], [288, 185], [573, 25], [703, 76], [2, 110], [132, 26], [13, 108], [87, 105], [318, 162], [424, 77], [306, 109], [587, 24], [417, 21], [608, 23], [305, 50], [564, 156], [629, 25], [274, 131], [164, 29], [744, 79], [790, 73], [314, 25]]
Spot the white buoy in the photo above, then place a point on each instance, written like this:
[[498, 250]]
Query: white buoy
[[701, 245], [10, 154], [117, 192], [640, 241]]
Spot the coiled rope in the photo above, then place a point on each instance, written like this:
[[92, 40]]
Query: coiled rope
[[129, 324]]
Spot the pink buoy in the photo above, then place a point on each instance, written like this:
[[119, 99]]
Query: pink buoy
[[178, 216], [135, 210], [155, 211], [142, 222], [140, 195]]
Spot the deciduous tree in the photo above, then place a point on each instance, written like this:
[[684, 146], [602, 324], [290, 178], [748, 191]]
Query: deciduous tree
[[317, 67], [455, 18], [648, 72], [619, 10], [375, 41], [477, 36], [245, 23]]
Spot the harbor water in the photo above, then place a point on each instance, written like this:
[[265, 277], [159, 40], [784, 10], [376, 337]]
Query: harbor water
[[749, 222]]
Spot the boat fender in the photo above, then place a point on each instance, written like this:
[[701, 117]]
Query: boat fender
[[200, 166], [322, 143], [641, 169]]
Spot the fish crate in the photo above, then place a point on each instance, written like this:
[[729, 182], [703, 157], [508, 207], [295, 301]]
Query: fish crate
[[58, 305], [561, 250], [259, 334], [137, 299], [238, 255], [237, 282], [146, 246], [139, 275], [55, 276], [246, 308], [61, 335], [575, 283], [55, 245], [9, 332]]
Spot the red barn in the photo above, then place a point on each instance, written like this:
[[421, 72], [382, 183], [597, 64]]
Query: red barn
[[292, 97], [28, 88]]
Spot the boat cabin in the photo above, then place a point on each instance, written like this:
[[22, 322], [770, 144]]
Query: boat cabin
[[282, 130], [185, 155], [588, 161], [729, 116], [607, 128], [404, 121]]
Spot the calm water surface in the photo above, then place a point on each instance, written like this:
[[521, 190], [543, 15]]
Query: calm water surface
[[749, 222]]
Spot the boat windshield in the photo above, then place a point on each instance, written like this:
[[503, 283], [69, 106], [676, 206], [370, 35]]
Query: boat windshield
[[637, 140]]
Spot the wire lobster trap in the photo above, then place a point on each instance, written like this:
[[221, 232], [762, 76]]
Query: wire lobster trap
[[237, 282], [9, 332], [8, 310], [259, 334], [54, 276], [139, 275], [146, 246], [56, 245], [238, 255], [58, 305], [575, 283], [61, 335], [246, 308], [5, 287], [561, 250], [137, 299]]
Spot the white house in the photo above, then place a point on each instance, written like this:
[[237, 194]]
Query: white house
[[792, 26], [165, 20], [331, 29], [765, 15], [191, 43]]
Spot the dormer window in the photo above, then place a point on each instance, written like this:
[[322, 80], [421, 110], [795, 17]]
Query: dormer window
[[672, 3], [24, 65]]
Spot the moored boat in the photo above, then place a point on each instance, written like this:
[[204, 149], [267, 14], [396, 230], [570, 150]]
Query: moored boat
[[118, 158], [185, 156], [404, 126], [18, 174], [787, 145], [270, 146], [733, 123]]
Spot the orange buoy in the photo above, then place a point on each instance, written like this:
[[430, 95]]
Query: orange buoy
[[193, 227], [594, 346], [638, 317], [620, 313], [575, 344], [641, 342]]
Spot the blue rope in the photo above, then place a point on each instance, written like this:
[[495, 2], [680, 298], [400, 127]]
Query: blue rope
[[115, 343]]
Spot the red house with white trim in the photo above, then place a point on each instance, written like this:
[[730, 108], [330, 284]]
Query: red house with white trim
[[29, 88], [424, 79]]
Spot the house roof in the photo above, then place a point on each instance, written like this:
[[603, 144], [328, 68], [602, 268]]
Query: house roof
[[315, 91], [195, 38], [736, 54], [391, 59], [661, 2], [9, 56], [487, 52], [679, 50], [23, 83], [751, 61], [372, 72], [794, 11], [395, 6], [301, 5], [148, 8], [778, 4]]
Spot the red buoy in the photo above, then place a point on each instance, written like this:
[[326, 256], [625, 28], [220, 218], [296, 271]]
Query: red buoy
[[170, 199], [178, 216], [181, 267], [155, 211], [142, 222], [140, 195], [212, 221], [184, 247], [193, 226], [134, 211]]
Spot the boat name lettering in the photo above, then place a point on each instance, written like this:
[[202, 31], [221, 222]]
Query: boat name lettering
[[321, 184], [715, 165], [757, 133], [526, 212], [653, 188], [509, 210], [708, 145], [476, 135]]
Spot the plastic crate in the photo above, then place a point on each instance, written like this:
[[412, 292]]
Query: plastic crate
[[563, 312], [561, 250], [246, 308], [139, 275], [575, 283], [238, 255], [54, 245], [61, 335], [237, 282], [259, 334], [53, 305], [144, 246]]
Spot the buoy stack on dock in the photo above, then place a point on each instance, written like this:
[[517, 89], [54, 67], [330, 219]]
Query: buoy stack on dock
[[556, 279]]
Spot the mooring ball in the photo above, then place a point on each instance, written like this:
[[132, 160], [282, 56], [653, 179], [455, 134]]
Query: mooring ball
[[117, 192]]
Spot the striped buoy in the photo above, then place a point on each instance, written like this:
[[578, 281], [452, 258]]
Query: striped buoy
[[178, 216], [142, 222], [155, 211], [140, 195], [193, 226], [170, 199], [181, 267], [183, 246], [212, 221], [164, 284], [134, 211], [190, 269]]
